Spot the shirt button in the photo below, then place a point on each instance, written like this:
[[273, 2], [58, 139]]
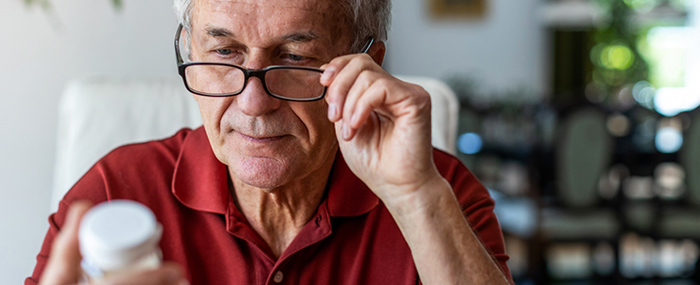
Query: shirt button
[[278, 277]]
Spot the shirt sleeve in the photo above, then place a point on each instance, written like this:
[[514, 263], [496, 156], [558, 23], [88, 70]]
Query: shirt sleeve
[[111, 178]]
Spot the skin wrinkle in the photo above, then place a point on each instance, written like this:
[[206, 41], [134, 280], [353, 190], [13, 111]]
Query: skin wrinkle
[[221, 36], [347, 18], [335, 36]]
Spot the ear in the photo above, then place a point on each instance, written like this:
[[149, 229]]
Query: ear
[[377, 52], [184, 45], [183, 37]]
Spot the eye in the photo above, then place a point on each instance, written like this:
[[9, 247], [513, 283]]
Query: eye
[[224, 51], [295, 57]]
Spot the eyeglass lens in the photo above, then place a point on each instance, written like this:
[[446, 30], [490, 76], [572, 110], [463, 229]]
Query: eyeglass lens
[[225, 80]]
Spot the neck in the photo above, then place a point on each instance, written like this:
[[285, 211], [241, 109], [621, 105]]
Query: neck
[[279, 214]]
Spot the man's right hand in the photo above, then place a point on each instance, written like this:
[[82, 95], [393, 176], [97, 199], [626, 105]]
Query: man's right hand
[[63, 266]]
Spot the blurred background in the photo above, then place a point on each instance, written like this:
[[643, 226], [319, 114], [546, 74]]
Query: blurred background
[[579, 115]]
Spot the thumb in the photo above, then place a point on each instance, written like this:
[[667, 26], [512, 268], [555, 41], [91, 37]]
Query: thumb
[[64, 264]]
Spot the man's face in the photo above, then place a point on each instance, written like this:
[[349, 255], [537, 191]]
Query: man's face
[[267, 142]]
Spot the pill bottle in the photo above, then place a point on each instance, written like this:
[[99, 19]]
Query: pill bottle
[[118, 237]]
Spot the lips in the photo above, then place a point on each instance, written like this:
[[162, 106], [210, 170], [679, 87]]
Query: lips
[[261, 139]]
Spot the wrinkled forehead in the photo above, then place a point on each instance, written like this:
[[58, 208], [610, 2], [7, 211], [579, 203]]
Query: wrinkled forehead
[[260, 22], [258, 13]]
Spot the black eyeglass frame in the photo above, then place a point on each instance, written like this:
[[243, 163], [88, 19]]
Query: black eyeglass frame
[[248, 73]]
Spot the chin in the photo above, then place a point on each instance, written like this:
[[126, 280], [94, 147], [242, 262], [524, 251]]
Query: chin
[[264, 173]]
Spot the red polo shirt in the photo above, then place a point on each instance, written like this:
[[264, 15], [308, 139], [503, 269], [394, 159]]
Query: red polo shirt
[[352, 238]]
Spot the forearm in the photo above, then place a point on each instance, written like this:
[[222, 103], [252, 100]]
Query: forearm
[[444, 247]]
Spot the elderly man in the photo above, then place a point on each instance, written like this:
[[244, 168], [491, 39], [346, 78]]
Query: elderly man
[[314, 165]]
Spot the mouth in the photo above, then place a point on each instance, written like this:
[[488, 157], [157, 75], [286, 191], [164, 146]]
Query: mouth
[[261, 139]]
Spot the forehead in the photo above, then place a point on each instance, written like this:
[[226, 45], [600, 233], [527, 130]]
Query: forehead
[[265, 17]]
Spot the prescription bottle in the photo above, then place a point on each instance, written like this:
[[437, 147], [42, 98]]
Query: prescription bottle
[[118, 237]]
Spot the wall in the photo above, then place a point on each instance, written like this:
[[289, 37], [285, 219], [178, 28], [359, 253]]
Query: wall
[[41, 52], [503, 51]]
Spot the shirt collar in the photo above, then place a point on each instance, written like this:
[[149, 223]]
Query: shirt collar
[[347, 195], [200, 182]]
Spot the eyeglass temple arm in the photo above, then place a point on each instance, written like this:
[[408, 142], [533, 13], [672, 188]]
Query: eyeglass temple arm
[[369, 45], [178, 57]]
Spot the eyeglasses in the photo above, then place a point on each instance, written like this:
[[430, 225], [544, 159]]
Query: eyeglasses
[[293, 83]]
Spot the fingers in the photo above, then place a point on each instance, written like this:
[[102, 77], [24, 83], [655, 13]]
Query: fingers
[[339, 76], [360, 104], [351, 84], [357, 87], [64, 264], [168, 274]]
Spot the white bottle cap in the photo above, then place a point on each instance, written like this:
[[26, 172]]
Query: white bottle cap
[[118, 232]]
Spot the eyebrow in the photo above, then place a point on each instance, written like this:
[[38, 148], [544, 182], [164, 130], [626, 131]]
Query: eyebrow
[[218, 32], [299, 37]]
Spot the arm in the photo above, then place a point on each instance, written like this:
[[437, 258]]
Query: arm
[[443, 244], [383, 128]]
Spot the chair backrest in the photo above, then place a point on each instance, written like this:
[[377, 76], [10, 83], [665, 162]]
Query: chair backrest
[[98, 114], [582, 155]]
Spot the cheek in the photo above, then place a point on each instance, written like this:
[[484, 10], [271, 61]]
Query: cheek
[[315, 119], [212, 109], [325, 132]]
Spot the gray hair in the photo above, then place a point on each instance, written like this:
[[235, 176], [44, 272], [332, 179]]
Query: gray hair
[[369, 18]]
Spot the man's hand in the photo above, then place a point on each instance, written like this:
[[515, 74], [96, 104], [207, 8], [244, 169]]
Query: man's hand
[[63, 266], [383, 127]]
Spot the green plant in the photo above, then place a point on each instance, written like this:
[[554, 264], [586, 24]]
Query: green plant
[[616, 58]]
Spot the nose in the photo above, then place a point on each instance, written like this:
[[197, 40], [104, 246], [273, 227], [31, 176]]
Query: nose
[[254, 100]]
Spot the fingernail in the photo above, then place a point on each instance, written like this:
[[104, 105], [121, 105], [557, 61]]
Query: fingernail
[[173, 275], [328, 73], [354, 119], [346, 131], [332, 111]]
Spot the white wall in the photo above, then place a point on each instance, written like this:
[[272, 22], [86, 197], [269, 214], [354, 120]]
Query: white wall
[[39, 55], [503, 51]]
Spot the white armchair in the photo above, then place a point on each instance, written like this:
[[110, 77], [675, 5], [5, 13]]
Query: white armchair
[[98, 114]]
